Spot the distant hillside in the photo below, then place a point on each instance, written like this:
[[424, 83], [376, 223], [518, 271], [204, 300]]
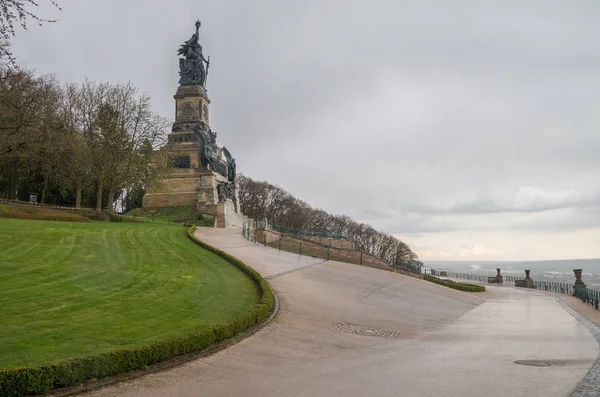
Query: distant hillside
[[543, 270], [554, 265]]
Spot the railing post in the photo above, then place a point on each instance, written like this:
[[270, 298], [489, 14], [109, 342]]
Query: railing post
[[280, 243], [361, 260], [300, 247], [327, 253], [265, 239]]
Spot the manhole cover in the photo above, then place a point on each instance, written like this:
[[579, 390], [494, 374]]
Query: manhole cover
[[534, 363], [367, 331]]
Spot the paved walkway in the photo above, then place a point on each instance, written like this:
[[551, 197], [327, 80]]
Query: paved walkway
[[347, 330]]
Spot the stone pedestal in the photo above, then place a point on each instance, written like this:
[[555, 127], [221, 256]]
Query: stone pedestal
[[528, 280], [578, 281], [497, 279], [191, 109], [527, 283]]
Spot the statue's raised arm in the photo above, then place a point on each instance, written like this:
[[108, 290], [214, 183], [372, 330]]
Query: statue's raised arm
[[191, 66]]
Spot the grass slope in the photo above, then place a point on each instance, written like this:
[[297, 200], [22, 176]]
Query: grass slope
[[39, 213], [186, 214], [74, 289]]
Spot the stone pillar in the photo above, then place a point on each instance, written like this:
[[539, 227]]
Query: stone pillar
[[499, 276], [235, 197], [527, 277], [221, 215], [578, 281]]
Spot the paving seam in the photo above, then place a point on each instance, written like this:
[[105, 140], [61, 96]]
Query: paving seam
[[272, 276], [166, 365], [590, 384]]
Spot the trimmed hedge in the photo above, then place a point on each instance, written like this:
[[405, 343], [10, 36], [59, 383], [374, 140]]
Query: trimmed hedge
[[458, 286], [41, 379]]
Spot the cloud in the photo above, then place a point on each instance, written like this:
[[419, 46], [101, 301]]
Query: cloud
[[525, 199], [429, 117]]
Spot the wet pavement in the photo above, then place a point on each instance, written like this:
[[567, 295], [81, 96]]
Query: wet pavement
[[348, 330]]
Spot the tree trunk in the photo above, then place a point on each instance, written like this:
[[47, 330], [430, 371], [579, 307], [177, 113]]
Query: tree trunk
[[111, 199], [99, 196], [43, 198], [78, 195], [13, 181]]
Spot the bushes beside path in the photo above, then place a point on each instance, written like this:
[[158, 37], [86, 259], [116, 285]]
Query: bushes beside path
[[457, 286]]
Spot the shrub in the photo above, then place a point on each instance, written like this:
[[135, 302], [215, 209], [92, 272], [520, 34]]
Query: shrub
[[41, 379], [454, 285], [205, 220], [105, 216]]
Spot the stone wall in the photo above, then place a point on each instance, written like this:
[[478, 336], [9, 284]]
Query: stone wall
[[332, 242], [292, 244], [317, 249], [160, 200]]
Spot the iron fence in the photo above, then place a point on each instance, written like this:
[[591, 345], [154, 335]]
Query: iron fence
[[554, 286], [586, 295], [324, 251], [303, 232]]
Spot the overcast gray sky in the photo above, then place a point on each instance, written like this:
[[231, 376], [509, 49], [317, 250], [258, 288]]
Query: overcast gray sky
[[469, 129]]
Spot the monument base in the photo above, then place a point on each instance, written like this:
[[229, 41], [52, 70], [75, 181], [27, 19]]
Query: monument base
[[200, 191]]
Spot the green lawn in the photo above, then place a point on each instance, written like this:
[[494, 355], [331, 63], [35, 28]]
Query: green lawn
[[74, 289], [170, 214]]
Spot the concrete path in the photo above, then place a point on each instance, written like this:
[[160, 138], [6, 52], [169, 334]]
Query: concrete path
[[347, 330]]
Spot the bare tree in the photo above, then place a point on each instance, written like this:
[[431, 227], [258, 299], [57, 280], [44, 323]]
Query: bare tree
[[28, 122], [15, 13], [264, 199], [78, 171], [122, 132]]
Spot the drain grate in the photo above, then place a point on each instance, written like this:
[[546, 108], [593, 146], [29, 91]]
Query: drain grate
[[534, 363], [367, 331]]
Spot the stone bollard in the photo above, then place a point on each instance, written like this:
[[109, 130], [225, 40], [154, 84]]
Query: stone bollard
[[579, 288], [495, 279], [528, 280], [579, 284], [578, 281]]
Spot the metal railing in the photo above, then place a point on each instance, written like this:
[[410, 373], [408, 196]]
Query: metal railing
[[554, 286], [296, 244], [303, 232], [586, 295]]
